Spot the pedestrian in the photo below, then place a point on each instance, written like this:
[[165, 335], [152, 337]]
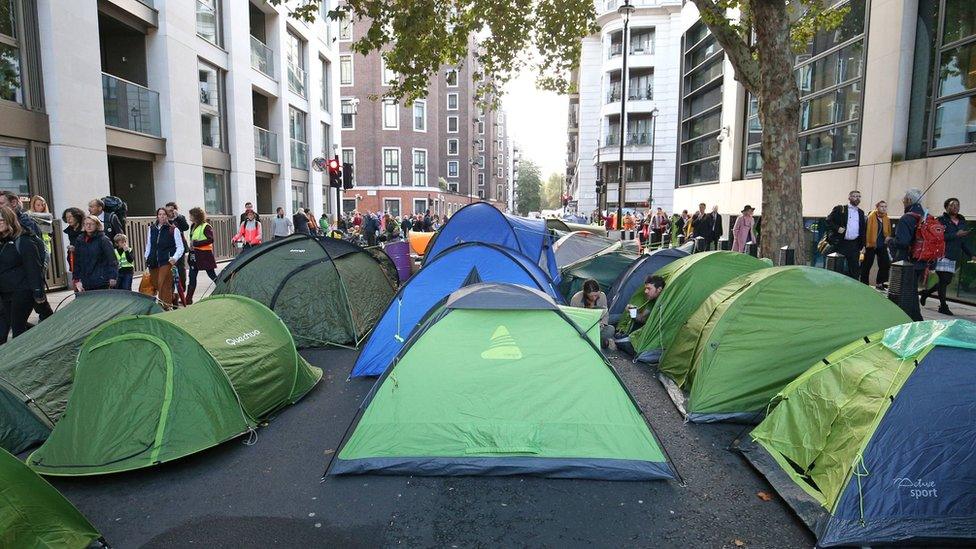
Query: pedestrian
[[177, 220], [72, 218], [281, 226], [96, 266], [406, 225], [164, 248], [111, 225], [370, 227], [42, 217], [123, 254], [324, 224], [902, 245], [877, 235], [357, 219], [955, 247], [300, 221], [313, 226], [201, 251], [249, 234], [591, 297], [742, 230], [249, 207], [846, 225], [21, 277]]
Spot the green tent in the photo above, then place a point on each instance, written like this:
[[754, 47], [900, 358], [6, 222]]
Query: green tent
[[37, 367], [604, 267], [687, 283], [150, 389], [499, 380], [327, 291], [761, 330], [34, 514], [876, 442]]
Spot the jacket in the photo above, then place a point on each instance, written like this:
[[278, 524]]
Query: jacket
[[251, 234], [371, 224], [162, 244], [837, 218], [280, 226], [27, 223], [19, 267], [955, 246], [905, 236], [579, 300], [871, 231], [742, 233], [708, 227], [95, 261]]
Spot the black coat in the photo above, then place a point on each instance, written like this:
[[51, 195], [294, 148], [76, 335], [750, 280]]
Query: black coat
[[708, 227], [838, 218], [905, 236], [955, 246], [95, 261], [301, 223], [111, 226], [19, 267]]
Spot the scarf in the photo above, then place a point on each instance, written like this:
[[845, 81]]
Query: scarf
[[871, 237]]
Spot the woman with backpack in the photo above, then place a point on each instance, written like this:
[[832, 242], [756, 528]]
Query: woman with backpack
[[201, 251], [955, 247], [250, 232], [21, 279], [164, 247], [96, 266]]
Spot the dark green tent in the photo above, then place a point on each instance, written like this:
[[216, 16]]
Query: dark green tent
[[327, 291], [151, 389], [34, 514], [37, 367], [604, 267]]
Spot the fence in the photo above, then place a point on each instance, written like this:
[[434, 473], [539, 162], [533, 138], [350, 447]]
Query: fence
[[224, 227]]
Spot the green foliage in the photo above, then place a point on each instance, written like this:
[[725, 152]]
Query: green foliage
[[419, 38], [552, 191], [528, 188]]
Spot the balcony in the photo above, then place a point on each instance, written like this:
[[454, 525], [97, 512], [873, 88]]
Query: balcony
[[265, 145], [297, 79], [262, 58], [130, 106], [299, 155], [641, 93], [639, 138], [615, 50], [613, 93]]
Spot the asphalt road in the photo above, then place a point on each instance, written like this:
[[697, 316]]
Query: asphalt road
[[269, 492]]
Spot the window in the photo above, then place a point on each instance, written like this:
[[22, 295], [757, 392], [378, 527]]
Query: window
[[481, 147], [11, 86], [388, 77], [299, 195], [349, 157], [345, 70], [499, 192], [481, 193], [391, 166], [325, 101], [392, 206], [13, 170], [348, 204], [210, 105], [216, 194], [481, 179], [954, 106], [345, 26], [453, 167], [452, 101], [640, 86], [297, 79], [326, 140], [299, 146], [500, 172], [452, 186], [452, 147], [452, 124], [348, 113], [701, 108], [391, 115], [481, 160], [642, 41], [208, 21], [481, 127], [419, 205], [501, 160], [420, 116], [419, 168], [452, 78]]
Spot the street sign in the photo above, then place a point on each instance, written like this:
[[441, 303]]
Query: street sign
[[319, 164]]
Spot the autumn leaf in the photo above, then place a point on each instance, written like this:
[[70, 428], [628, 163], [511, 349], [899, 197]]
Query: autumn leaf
[[764, 496], [739, 543]]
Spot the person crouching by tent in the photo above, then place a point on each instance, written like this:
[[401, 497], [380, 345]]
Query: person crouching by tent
[[201, 256], [250, 232], [96, 267], [591, 297], [164, 247], [653, 286]]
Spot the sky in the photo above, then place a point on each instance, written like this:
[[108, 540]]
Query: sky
[[537, 123]]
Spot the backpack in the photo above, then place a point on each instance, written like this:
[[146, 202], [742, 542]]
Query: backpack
[[117, 206], [40, 249], [929, 243]]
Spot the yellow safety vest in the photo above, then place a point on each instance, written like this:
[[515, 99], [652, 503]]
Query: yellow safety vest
[[123, 261], [199, 234]]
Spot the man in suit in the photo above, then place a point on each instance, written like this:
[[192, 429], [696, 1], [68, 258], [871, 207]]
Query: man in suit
[[847, 225], [715, 230]]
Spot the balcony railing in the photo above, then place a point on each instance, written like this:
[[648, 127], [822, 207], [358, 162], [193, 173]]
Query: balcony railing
[[299, 154], [613, 94], [265, 144], [641, 93], [130, 106], [262, 58], [612, 138], [297, 79], [615, 50], [638, 138]]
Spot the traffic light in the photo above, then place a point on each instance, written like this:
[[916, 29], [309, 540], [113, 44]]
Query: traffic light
[[599, 187], [347, 182], [335, 173]]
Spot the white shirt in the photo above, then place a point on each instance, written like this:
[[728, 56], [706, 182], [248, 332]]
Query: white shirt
[[853, 223]]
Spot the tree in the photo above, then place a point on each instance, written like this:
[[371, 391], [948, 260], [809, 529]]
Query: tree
[[552, 191], [763, 56], [528, 187]]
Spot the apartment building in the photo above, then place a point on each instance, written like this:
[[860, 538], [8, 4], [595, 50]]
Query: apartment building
[[650, 116], [204, 102], [440, 152]]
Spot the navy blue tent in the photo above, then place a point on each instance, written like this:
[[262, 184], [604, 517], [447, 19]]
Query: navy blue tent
[[482, 222], [631, 279], [453, 268]]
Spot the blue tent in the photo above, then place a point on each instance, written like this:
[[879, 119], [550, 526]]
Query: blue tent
[[482, 222], [633, 278], [451, 269]]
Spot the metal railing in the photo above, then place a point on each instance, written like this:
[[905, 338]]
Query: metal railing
[[265, 144], [613, 94], [299, 154], [641, 93], [130, 106], [262, 58], [638, 138], [612, 138], [297, 79], [224, 227], [616, 49]]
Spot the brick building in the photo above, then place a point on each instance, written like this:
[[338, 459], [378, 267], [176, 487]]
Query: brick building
[[440, 152]]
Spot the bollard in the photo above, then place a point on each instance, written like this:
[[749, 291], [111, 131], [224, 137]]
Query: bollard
[[903, 288], [836, 262], [752, 249], [666, 240], [787, 256], [681, 239], [699, 244], [725, 244]]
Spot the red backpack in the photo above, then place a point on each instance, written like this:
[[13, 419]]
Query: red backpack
[[929, 244]]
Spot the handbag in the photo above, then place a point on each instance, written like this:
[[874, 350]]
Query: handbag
[[146, 285]]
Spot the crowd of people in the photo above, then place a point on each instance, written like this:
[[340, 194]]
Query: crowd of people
[[655, 227]]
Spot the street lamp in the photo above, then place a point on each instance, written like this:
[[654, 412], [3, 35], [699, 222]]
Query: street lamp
[[624, 10], [650, 192]]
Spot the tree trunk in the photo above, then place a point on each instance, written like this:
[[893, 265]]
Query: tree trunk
[[779, 113]]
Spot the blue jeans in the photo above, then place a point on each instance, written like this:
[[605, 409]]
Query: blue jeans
[[124, 282]]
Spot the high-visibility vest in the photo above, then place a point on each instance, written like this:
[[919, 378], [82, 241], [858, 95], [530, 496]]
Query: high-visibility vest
[[123, 261], [199, 234]]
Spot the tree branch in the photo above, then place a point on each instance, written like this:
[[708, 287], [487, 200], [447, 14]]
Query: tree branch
[[735, 46]]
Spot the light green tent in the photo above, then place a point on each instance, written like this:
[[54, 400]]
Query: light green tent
[[34, 514], [150, 389], [327, 291], [37, 367], [499, 380], [761, 330], [687, 283]]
